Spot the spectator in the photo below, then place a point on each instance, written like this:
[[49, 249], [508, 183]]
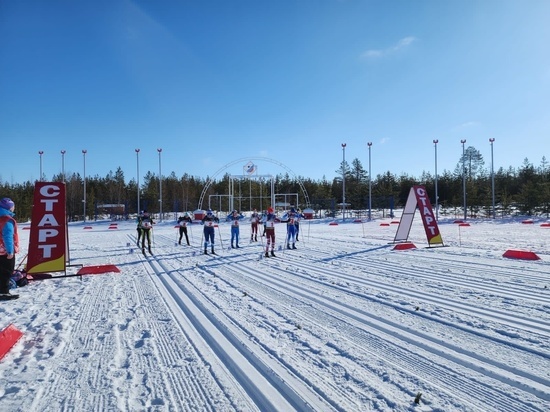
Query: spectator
[[9, 246]]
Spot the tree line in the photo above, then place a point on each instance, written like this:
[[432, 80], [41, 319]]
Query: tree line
[[523, 190]]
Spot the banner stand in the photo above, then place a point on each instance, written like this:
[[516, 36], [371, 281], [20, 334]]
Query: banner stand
[[48, 239], [48, 236], [418, 198]]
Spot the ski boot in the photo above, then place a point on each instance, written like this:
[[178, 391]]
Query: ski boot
[[205, 251], [272, 253], [8, 296], [266, 254], [294, 246]]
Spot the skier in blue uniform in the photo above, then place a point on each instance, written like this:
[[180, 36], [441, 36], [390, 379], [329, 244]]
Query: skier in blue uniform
[[234, 217], [291, 228]]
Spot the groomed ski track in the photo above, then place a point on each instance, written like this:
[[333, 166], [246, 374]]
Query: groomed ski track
[[343, 323], [316, 291]]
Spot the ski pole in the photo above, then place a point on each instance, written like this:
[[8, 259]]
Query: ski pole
[[21, 262], [285, 244], [220, 233], [262, 240]]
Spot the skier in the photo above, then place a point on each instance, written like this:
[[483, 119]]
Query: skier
[[138, 228], [269, 225], [291, 228], [146, 224], [254, 219], [183, 221], [209, 221], [235, 217], [264, 214]]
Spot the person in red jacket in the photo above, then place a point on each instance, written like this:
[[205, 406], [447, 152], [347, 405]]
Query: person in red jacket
[[9, 246]]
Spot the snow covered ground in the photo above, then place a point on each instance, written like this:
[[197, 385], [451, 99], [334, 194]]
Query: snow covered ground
[[343, 323]]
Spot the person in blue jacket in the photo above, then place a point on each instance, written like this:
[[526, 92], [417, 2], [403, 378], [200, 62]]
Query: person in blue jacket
[[9, 246]]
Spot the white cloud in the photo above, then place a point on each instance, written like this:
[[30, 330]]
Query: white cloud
[[405, 42], [466, 125], [372, 54], [377, 53]]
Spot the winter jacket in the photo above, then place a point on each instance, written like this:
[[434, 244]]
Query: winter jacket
[[9, 240]]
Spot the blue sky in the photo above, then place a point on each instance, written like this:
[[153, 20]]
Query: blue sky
[[212, 82]]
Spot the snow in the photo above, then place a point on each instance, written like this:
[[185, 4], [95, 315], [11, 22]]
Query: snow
[[343, 323]]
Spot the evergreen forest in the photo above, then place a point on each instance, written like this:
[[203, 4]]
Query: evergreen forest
[[523, 190]]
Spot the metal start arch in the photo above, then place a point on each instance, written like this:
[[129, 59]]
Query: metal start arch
[[246, 159]]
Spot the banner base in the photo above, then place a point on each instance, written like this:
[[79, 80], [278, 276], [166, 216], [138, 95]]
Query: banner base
[[96, 270], [8, 338]]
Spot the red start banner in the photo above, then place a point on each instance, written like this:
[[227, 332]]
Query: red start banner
[[418, 198], [48, 234], [428, 218]]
